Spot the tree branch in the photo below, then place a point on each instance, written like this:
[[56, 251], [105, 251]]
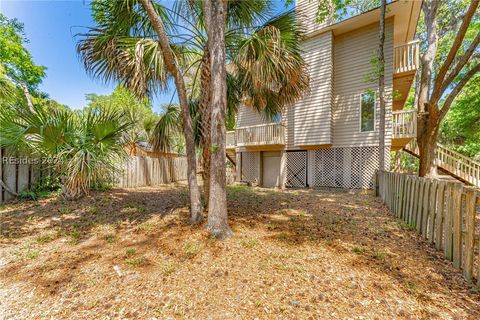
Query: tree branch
[[456, 45], [451, 97], [462, 61]]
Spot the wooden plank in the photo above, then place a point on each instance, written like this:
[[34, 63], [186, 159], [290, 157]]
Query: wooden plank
[[411, 209], [431, 211], [419, 203], [1, 174], [447, 226], [457, 225], [425, 207], [470, 199], [439, 215]]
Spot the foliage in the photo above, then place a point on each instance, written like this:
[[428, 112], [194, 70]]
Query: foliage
[[85, 148], [137, 111], [461, 127], [14, 57]]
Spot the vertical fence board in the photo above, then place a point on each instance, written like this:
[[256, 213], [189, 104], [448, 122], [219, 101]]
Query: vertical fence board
[[457, 225], [419, 205], [425, 206], [439, 215], [470, 203], [431, 212], [447, 228]]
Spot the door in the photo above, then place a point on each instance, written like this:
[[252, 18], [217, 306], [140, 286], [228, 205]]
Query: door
[[271, 169]]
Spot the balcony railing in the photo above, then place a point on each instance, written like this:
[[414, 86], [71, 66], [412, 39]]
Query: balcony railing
[[230, 139], [264, 134], [407, 57], [404, 124]]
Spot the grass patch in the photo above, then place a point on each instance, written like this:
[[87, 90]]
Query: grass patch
[[379, 254], [406, 226], [136, 262], [146, 226], [75, 236], [48, 236], [64, 210], [130, 252], [282, 236], [248, 243], [91, 209], [168, 267], [191, 249], [358, 250], [32, 254]]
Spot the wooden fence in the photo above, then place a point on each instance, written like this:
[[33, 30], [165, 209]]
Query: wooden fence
[[145, 171], [19, 173], [445, 213]]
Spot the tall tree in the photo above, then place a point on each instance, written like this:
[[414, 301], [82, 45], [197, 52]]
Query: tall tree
[[174, 69], [130, 45], [215, 12], [381, 84], [443, 76]]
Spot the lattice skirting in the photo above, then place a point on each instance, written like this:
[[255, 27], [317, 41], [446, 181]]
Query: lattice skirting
[[250, 166], [351, 168], [296, 169]]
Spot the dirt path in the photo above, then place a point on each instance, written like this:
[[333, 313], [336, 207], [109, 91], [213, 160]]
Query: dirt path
[[295, 255]]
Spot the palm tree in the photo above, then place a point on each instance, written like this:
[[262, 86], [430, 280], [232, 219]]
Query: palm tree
[[84, 148], [266, 70]]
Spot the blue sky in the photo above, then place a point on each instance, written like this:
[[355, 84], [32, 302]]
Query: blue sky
[[51, 26]]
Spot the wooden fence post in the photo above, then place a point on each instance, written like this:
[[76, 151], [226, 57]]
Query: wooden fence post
[[457, 225], [431, 211], [447, 227], [470, 203], [425, 207], [439, 215]]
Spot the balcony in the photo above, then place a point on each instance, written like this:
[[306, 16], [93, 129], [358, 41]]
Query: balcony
[[407, 57], [404, 127], [272, 134]]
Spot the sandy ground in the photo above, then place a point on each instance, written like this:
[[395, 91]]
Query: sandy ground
[[301, 254]]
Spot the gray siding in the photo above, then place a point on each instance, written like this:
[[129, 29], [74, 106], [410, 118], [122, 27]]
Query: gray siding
[[307, 11], [247, 116], [312, 115], [353, 52]]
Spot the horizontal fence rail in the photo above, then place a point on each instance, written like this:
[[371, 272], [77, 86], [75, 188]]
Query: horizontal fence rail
[[264, 134], [404, 124], [446, 214], [407, 57], [455, 163]]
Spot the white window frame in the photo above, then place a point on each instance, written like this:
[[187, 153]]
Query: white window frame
[[374, 113]]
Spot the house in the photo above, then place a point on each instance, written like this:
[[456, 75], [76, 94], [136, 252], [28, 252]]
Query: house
[[330, 138]]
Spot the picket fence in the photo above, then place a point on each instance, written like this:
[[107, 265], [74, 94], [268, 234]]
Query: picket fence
[[445, 213]]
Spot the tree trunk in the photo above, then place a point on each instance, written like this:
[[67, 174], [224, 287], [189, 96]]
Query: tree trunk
[[381, 86], [206, 111], [174, 70], [427, 135], [215, 21]]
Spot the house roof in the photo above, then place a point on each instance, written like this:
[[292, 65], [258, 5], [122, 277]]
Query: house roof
[[406, 15]]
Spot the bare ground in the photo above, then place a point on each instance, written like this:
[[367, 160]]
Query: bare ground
[[304, 254]]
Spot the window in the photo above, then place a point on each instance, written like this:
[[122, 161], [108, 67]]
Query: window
[[367, 111]]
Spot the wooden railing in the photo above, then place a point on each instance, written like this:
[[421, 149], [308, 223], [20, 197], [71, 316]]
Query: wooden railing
[[453, 162], [230, 139], [407, 57], [264, 134], [404, 124], [443, 212]]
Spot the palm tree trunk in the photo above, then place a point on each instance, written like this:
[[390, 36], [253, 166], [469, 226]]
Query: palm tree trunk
[[381, 86], [174, 70], [215, 21], [206, 110]]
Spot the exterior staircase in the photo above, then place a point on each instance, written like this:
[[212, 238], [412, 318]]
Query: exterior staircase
[[231, 156], [451, 162]]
